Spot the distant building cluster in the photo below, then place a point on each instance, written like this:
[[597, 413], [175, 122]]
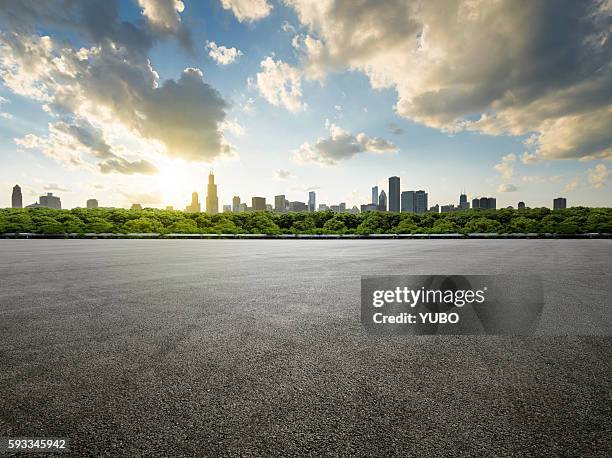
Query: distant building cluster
[[396, 201]]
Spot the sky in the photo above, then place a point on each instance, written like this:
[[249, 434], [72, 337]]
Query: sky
[[137, 100]]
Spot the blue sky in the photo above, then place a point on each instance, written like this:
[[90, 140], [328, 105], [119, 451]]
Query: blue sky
[[362, 112]]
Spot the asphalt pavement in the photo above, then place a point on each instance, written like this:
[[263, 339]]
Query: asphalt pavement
[[255, 348]]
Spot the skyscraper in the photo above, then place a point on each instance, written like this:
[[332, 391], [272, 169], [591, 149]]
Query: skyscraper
[[475, 202], [382, 201], [194, 207], [16, 198], [420, 202], [280, 203], [375, 195], [407, 201], [212, 201], [50, 201], [312, 198], [394, 194], [492, 203], [92, 203], [484, 203], [560, 203], [236, 204], [258, 204], [463, 202]]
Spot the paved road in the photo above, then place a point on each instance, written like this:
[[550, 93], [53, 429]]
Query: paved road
[[226, 347]]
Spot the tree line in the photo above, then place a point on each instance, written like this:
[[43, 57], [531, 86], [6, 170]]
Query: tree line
[[575, 220]]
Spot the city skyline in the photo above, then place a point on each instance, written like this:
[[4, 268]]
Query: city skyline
[[244, 91]]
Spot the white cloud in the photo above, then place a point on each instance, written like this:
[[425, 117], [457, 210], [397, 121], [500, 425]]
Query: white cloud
[[247, 10], [282, 175], [539, 179], [287, 27], [232, 126], [507, 188], [163, 14], [529, 158], [280, 84], [506, 166], [481, 65], [340, 145], [599, 176], [572, 184], [221, 54]]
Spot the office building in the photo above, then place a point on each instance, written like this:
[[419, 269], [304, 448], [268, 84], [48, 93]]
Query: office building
[[242, 207], [369, 208], [17, 198], [194, 207], [382, 201], [236, 204], [560, 203], [136, 207], [50, 201], [521, 205], [323, 207], [448, 208], [92, 203], [280, 203], [407, 201], [297, 206], [258, 204], [394, 194], [475, 202], [434, 209], [491, 203], [342, 207], [463, 202], [335, 208], [420, 202], [312, 198], [227, 208], [484, 203], [374, 195], [212, 201], [354, 210]]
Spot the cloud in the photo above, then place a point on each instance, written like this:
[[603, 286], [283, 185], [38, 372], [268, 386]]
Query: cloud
[[287, 27], [120, 165], [282, 174], [163, 14], [572, 184], [599, 176], [485, 66], [222, 55], [340, 145], [55, 188], [529, 158], [506, 166], [110, 84], [280, 84], [79, 145], [248, 10], [540, 179], [507, 188], [395, 129], [232, 126]]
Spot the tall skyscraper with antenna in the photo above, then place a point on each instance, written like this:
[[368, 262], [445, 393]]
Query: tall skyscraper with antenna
[[212, 201]]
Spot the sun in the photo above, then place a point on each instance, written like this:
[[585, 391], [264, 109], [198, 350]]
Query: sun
[[175, 183]]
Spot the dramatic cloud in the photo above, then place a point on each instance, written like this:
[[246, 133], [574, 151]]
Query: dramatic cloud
[[248, 10], [599, 176], [544, 67], [281, 84], [221, 54], [506, 166], [340, 145], [507, 188], [55, 188], [79, 144], [110, 85]]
